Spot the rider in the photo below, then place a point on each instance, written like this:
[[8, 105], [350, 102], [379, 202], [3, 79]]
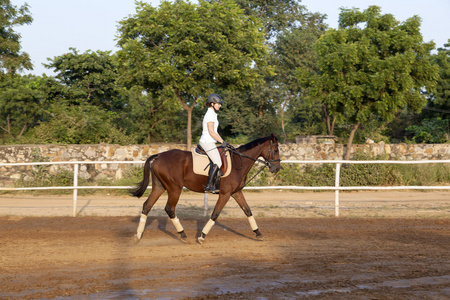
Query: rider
[[210, 137]]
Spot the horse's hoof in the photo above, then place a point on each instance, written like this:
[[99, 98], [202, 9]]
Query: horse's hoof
[[183, 237], [259, 237], [200, 240], [136, 239]]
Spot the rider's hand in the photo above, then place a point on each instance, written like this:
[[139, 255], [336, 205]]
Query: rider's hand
[[225, 144]]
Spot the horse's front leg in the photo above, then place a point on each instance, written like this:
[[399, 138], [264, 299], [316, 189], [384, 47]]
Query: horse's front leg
[[223, 199], [240, 199], [170, 210]]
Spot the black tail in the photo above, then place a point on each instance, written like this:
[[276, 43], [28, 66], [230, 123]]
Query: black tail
[[142, 186]]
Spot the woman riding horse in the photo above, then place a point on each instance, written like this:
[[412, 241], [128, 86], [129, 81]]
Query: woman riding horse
[[172, 170], [210, 137]]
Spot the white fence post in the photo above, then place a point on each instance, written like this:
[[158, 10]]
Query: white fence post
[[75, 190], [336, 192], [205, 208]]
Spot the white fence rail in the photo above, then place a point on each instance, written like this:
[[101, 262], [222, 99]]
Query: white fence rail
[[336, 187]]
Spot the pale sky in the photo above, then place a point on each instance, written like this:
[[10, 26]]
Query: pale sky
[[92, 24]]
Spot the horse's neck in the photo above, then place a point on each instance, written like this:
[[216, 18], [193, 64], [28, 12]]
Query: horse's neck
[[254, 153]]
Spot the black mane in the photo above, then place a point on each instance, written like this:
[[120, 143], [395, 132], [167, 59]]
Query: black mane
[[254, 143]]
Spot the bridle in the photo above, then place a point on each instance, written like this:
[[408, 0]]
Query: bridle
[[267, 163]]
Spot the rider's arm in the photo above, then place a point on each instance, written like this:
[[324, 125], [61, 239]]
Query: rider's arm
[[213, 134]]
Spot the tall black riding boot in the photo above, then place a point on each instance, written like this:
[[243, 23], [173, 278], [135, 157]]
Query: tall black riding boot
[[211, 184]]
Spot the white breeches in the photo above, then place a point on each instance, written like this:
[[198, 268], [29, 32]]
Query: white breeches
[[213, 153]]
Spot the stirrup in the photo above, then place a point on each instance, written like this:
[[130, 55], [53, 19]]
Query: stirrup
[[212, 188]]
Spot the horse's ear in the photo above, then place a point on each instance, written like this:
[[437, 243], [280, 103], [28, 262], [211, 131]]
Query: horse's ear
[[273, 137]]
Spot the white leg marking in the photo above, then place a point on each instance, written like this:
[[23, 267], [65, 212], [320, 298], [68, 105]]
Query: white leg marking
[[177, 224], [208, 227], [141, 226], [252, 222]]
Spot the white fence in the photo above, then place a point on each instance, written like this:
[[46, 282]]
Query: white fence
[[336, 187]]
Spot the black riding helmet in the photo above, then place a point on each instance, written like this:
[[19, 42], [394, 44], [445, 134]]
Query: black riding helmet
[[214, 98]]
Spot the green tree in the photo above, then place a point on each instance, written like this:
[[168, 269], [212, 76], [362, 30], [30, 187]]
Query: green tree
[[250, 113], [431, 131], [432, 124], [18, 103], [289, 29], [439, 101], [372, 65], [91, 77], [275, 15], [79, 124], [294, 53], [154, 119], [187, 51], [442, 94], [20, 106], [11, 59]]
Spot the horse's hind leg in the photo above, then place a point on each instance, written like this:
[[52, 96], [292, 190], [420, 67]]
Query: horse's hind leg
[[240, 199], [157, 190], [172, 201]]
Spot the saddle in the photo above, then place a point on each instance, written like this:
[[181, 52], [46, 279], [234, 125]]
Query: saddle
[[202, 162]]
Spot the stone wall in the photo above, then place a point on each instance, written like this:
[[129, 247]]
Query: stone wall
[[103, 152]]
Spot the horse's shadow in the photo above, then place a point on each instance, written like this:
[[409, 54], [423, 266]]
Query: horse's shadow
[[84, 207], [202, 223], [161, 225], [163, 222]]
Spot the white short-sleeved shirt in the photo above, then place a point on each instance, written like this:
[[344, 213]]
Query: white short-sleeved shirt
[[210, 116]]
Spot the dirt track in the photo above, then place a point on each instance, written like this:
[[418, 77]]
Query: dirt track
[[93, 256]]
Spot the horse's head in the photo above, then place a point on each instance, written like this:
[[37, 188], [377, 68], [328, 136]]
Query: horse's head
[[272, 155]]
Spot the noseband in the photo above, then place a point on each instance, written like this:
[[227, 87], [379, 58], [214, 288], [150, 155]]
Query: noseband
[[269, 161]]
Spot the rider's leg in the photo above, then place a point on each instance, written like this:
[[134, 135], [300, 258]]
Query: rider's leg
[[214, 156], [212, 176]]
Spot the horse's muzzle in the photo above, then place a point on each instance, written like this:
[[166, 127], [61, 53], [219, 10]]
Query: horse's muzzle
[[274, 167]]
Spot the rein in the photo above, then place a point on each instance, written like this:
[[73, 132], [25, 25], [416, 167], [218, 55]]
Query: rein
[[267, 163]]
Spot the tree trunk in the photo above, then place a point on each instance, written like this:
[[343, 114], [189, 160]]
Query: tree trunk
[[189, 128], [24, 128], [332, 126], [283, 107], [8, 126], [189, 123], [329, 123], [350, 141]]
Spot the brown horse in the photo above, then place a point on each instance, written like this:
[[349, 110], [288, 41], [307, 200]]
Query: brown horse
[[173, 169]]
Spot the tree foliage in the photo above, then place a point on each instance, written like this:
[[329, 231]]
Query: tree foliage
[[276, 65], [291, 32], [11, 58], [275, 15], [91, 77], [80, 124], [439, 101], [372, 65], [294, 53], [186, 51], [20, 106]]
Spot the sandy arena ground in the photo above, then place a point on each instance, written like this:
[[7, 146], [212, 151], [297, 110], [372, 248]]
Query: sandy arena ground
[[384, 245]]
